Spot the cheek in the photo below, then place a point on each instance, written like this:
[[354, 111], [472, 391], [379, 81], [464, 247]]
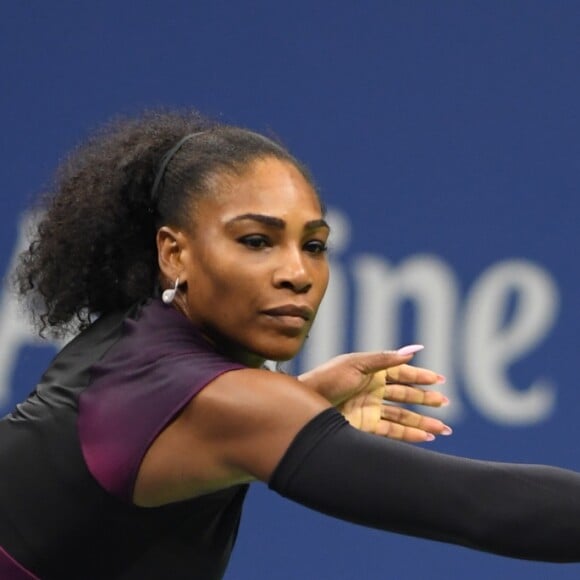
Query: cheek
[[229, 286]]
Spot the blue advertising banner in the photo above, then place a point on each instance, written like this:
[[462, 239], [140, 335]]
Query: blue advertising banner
[[445, 140]]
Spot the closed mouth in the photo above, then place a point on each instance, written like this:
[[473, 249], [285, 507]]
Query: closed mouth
[[291, 310]]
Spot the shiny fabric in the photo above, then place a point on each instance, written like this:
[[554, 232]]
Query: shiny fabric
[[12, 570], [63, 519], [137, 388]]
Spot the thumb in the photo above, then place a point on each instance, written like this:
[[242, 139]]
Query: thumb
[[371, 362]]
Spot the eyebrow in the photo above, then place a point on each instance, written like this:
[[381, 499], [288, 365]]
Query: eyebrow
[[277, 223]]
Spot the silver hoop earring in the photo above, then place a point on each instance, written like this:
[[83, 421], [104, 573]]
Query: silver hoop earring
[[169, 295]]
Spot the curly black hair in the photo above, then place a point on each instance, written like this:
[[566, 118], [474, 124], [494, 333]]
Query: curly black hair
[[94, 251]]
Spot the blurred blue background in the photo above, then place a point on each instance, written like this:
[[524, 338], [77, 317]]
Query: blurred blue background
[[444, 137]]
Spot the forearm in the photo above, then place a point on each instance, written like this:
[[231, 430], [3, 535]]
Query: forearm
[[530, 512]]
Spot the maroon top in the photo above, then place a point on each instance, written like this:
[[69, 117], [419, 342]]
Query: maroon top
[[137, 389], [71, 451]]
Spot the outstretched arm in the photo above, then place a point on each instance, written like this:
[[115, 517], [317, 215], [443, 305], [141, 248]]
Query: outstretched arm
[[523, 511], [253, 424]]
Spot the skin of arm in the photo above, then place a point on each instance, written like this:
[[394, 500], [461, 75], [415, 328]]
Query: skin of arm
[[234, 431], [238, 428]]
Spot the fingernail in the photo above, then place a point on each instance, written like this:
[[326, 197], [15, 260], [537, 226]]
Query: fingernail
[[447, 430], [440, 380], [410, 349], [444, 402], [429, 437]]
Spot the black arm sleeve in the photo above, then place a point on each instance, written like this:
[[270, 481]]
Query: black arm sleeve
[[523, 511]]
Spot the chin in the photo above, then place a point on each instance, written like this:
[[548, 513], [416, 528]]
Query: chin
[[254, 352], [281, 354]]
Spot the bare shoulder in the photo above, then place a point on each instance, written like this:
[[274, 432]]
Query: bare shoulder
[[235, 430], [241, 397]]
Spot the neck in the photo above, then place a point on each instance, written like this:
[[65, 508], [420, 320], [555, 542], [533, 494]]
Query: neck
[[233, 350]]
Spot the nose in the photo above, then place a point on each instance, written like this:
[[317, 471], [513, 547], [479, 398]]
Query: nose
[[293, 272]]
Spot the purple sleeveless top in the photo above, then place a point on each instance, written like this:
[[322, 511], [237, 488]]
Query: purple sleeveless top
[[159, 365], [71, 451]]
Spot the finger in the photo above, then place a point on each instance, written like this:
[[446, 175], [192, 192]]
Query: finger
[[408, 418], [413, 375], [371, 362], [403, 433], [414, 395]]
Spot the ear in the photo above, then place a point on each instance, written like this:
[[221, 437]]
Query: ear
[[171, 251]]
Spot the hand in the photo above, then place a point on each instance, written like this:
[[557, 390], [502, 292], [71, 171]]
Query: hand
[[358, 384]]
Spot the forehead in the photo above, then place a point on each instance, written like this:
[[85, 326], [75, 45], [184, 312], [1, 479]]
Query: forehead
[[268, 186]]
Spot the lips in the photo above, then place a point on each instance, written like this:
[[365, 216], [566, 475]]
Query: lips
[[294, 310]]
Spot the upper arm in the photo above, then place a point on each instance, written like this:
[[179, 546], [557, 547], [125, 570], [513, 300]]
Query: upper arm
[[236, 429]]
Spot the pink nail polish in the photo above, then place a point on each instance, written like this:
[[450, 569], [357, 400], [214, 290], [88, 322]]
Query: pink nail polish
[[440, 380], [410, 349]]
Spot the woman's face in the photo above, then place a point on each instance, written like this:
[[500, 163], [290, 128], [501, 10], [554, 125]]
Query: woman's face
[[255, 262]]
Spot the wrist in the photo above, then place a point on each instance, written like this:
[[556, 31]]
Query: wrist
[[313, 381]]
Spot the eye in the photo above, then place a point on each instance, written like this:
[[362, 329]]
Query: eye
[[316, 247], [255, 242]]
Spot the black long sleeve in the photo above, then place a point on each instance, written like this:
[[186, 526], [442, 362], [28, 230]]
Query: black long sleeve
[[523, 511]]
